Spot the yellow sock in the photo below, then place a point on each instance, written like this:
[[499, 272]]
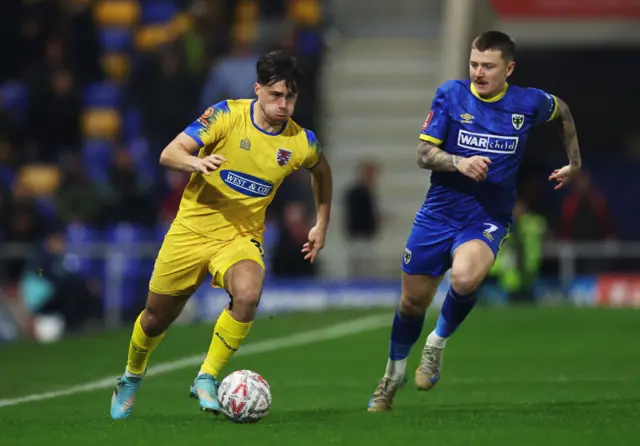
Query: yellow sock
[[228, 334], [140, 348]]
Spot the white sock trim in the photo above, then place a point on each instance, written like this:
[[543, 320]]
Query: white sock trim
[[128, 374], [396, 369], [436, 341]]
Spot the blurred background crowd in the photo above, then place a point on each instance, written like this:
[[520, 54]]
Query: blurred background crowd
[[92, 91]]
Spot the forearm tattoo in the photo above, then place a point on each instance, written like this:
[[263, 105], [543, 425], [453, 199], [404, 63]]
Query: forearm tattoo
[[432, 157], [569, 135]]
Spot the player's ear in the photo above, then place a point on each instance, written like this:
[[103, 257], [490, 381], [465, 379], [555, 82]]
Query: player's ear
[[256, 88], [510, 67]]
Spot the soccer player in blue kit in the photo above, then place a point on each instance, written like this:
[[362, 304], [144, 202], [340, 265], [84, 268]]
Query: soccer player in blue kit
[[473, 141]]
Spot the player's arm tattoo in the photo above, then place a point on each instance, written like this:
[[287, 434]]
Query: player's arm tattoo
[[433, 157], [569, 134]]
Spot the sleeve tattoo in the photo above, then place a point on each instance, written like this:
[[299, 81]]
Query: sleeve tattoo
[[432, 157], [569, 134]]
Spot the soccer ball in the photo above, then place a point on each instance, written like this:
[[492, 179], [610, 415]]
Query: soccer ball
[[244, 396]]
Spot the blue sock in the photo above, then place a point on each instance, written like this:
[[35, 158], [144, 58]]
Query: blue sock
[[454, 310], [405, 332]]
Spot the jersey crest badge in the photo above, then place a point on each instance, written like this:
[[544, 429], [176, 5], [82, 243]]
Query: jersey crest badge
[[467, 118], [283, 156], [407, 256], [517, 120], [245, 144]]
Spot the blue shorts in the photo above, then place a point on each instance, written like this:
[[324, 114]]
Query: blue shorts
[[432, 242]]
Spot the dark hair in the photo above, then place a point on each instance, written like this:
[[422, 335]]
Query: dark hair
[[495, 40], [278, 66]]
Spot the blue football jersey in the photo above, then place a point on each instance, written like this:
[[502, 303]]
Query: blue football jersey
[[462, 123]]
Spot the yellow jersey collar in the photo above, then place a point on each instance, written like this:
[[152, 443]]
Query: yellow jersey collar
[[493, 99]]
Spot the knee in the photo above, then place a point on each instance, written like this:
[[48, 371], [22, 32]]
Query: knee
[[465, 281], [246, 296], [414, 303], [154, 321]]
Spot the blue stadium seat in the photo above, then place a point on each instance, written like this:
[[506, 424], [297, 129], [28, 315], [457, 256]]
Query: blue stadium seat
[[129, 268], [160, 231], [96, 158], [271, 235], [157, 12], [126, 234], [102, 95], [76, 233], [46, 206], [132, 124], [116, 40], [142, 160], [7, 176], [88, 266], [15, 98]]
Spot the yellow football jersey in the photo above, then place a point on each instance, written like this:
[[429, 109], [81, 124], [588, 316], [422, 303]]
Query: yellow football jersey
[[233, 200]]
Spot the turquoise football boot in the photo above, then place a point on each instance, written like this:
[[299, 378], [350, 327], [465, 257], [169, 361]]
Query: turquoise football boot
[[205, 390], [124, 396]]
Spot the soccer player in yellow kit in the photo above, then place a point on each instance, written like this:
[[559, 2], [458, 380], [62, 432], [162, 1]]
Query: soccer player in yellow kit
[[246, 149]]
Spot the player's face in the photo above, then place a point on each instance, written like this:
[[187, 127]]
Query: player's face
[[489, 71], [277, 101]]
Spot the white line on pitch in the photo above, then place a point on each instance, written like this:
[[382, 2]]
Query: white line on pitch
[[337, 331]]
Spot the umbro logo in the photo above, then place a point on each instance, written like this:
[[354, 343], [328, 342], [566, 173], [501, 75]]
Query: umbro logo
[[467, 118]]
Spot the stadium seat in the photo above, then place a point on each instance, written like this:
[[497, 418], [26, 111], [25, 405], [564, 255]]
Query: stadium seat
[[145, 166], [117, 66], [132, 124], [14, 97], [245, 32], [157, 12], [7, 175], [101, 123], [160, 231], [77, 234], [305, 12], [96, 158], [103, 95], [39, 179], [117, 13], [47, 207], [116, 39], [124, 237], [125, 234], [151, 37], [180, 24], [246, 11]]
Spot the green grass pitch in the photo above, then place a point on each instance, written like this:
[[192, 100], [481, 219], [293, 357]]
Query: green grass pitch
[[512, 376]]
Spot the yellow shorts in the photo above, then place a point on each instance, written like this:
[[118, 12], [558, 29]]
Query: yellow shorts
[[185, 258]]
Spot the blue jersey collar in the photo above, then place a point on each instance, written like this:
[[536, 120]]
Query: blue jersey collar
[[261, 129]]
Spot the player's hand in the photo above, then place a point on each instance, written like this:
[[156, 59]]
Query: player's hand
[[475, 167], [563, 176], [208, 164], [315, 243]]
